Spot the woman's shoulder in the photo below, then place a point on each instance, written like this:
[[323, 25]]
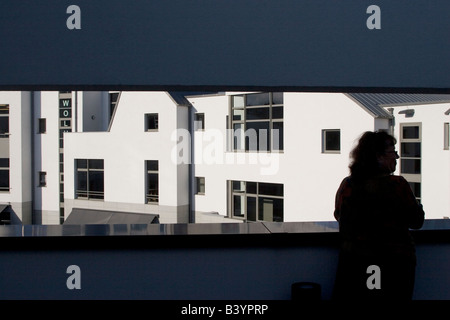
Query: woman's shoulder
[[398, 179]]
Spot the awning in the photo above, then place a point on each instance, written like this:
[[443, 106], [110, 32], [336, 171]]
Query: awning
[[90, 216]]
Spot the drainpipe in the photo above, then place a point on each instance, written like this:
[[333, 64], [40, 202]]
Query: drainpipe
[[191, 165]]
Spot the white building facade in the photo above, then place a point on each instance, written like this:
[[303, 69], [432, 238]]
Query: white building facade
[[224, 157]]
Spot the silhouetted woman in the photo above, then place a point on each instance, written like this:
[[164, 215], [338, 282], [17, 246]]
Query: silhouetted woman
[[375, 210]]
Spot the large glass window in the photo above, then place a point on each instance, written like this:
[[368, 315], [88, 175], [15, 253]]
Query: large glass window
[[411, 155], [256, 201], [257, 122], [89, 179]]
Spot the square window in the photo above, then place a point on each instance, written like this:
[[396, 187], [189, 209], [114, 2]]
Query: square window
[[151, 122], [331, 141]]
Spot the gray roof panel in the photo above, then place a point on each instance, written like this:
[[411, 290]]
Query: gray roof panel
[[91, 216], [375, 103]]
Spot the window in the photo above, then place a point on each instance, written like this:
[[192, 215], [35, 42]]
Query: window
[[199, 123], [331, 141], [42, 125], [42, 179], [256, 201], [89, 179], [200, 185], [152, 193], [4, 121], [4, 174], [151, 122], [411, 155], [257, 122]]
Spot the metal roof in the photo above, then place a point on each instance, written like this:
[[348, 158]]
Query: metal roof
[[375, 103], [90, 216]]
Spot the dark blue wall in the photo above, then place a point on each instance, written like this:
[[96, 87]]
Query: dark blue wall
[[226, 43], [229, 267]]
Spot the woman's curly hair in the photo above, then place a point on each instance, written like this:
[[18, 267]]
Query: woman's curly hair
[[364, 162]]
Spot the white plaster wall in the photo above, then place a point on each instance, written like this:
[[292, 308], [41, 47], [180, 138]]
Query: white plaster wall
[[435, 160], [46, 156], [125, 149]]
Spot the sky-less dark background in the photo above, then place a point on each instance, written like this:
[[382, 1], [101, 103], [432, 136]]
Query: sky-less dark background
[[225, 43]]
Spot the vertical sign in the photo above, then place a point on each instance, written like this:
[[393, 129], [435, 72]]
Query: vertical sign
[[65, 125]]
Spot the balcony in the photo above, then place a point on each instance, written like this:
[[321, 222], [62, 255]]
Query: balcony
[[246, 261]]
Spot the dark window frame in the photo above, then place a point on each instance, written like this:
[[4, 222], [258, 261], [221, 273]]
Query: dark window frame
[[90, 169]]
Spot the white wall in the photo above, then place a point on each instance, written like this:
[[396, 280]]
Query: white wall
[[124, 150], [435, 160], [20, 154], [46, 156], [310, 177]]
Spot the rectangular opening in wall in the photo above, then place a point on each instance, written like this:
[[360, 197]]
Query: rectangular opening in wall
[[89, 179], [152, 189], [4, 120], [257, 122], [4, 175], [199, 122], [42, 178], [42, 126], [151, 122], [331, 141], [411, 156], [200, 185], [257, 201]]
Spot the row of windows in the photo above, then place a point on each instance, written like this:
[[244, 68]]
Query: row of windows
[[259, 116], [252, 201], [256, 201]]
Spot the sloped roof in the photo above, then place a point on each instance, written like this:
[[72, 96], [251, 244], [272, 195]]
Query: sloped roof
[[375, 103], [91, 216]]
